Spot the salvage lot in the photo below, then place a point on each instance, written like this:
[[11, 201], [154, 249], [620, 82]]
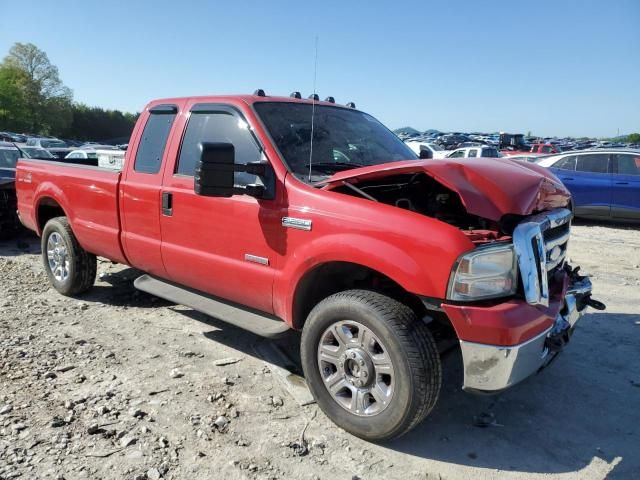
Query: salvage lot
[[118, 384]]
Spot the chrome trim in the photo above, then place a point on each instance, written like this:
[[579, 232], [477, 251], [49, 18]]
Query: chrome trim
[[494, 367], [298, 223], [533, 252], [256, 259]]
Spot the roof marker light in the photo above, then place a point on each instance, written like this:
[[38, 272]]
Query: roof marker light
[[314, 96], [351, 105], [330, 100], [295, 95], [259, 93]]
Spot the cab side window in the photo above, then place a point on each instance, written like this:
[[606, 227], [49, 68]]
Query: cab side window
[[218, 127], [473, 153], [153, 141]]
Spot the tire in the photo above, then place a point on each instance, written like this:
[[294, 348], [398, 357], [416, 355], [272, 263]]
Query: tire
[[397, 342], [79, 273]]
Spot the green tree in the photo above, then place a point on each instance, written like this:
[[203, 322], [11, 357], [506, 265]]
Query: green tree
[[633, 138], [14, 114], [47, 99]]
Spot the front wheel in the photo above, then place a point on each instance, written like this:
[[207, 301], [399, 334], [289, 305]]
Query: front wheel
[[70, 268], [372, 366]]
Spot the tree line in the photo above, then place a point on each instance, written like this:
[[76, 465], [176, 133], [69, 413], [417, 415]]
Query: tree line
[[34, 100]]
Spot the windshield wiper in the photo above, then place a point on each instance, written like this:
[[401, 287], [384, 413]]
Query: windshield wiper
[[334, 166]]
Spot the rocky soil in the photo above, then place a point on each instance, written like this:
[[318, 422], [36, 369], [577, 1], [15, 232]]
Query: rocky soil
[[117, 384]]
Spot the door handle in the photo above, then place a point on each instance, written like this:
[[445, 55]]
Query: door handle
[[622, 183], [167, 203], [566, 178]]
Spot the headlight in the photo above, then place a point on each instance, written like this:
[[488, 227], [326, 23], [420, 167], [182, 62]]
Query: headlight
[[487, 272]]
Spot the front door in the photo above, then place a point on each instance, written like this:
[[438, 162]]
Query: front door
[[221, 246], [626, 186]]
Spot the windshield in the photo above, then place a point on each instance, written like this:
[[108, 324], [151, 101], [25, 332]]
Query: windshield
[[8, 158], [342, 138], [53, 144], [435, 147]]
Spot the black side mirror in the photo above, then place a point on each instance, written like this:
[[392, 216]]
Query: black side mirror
[[425, 153], [215, 172]]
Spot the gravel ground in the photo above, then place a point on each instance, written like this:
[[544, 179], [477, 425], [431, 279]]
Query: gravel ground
[[120, 385]]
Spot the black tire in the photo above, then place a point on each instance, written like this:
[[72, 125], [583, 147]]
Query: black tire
[[82, 264], [410, 346]]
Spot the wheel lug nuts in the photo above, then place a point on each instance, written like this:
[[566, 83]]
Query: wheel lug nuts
[[361, 362], [364, 374]]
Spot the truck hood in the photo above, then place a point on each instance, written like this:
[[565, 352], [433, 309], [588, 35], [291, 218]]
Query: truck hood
[[488, 188]]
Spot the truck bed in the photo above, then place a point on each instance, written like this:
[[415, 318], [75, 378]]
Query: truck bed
[[87, 195]]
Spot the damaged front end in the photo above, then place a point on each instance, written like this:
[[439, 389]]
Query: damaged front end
[[551, 288], [512, 300]]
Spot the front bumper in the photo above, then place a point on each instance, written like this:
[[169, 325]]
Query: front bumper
[[491, 368]]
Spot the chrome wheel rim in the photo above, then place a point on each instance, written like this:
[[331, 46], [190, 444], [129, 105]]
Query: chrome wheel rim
[[57, 257], [356, 368]]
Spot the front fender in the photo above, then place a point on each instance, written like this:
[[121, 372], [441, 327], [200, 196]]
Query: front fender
[[422, 270]]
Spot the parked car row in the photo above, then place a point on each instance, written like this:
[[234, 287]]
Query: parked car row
[[504, 141]]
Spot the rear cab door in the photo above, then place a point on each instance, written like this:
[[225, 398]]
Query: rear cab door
[[225, 247], [625, 204], [141, 185]]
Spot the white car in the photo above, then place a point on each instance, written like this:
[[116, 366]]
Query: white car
[[436, 150], [112, 159], [479, 151]]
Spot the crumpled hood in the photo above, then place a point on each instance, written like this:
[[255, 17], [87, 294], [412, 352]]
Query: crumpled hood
[[488, 187]]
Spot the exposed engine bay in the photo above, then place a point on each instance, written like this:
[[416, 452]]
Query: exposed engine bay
[[420, 193]]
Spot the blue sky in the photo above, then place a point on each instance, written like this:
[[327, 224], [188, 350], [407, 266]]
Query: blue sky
[[550, 67]]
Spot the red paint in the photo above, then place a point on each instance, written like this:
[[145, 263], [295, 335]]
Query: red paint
[[507, 323], [202, 245]]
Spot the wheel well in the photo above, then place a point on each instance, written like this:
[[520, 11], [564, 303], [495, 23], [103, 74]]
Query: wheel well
[[48, 208], [329, 278]]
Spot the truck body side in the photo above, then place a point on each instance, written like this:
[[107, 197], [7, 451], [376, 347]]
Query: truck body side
[[404, 228]]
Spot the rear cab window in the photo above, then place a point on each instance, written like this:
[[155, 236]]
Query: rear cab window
[[154, 139]]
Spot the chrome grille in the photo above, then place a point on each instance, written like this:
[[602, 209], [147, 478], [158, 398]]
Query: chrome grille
[[540, 243]]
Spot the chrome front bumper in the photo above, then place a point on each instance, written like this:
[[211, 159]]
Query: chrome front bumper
[[490, 368]]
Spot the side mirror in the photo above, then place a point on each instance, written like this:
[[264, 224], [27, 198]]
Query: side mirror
[[215, 172], [425, 153]]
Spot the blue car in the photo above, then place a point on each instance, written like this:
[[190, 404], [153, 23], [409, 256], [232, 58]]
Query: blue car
[[604, 184]]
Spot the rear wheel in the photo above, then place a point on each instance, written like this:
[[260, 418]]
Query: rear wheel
[[70, 268], [372, 366]]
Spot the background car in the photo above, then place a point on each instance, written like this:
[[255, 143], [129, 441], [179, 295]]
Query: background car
[[109, 157], [435, 150], [37, 152], [604, 184], [478, 151], [9, 223], [57, 147], [528, 157]]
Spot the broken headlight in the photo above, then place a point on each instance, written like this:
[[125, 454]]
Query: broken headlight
[[486, 272]]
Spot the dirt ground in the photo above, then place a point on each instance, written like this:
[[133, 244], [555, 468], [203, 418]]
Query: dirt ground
[[120, 385]]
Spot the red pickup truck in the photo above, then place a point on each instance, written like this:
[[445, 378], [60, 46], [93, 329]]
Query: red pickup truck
[[281, 212]]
